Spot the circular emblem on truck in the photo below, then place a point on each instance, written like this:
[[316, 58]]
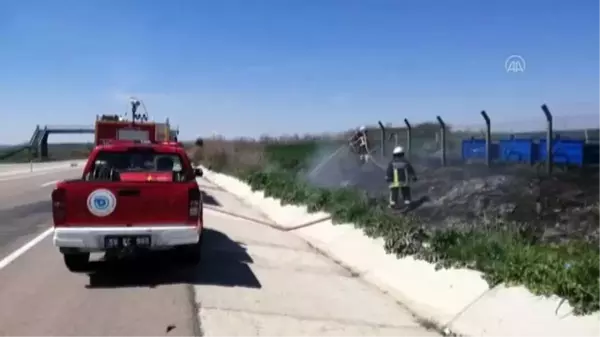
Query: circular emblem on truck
[[101, 202]]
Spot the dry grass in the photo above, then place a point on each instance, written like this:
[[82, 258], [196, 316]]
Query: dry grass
[[229, 155]]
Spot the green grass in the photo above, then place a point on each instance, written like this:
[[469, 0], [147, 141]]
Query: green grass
[[290, 156]]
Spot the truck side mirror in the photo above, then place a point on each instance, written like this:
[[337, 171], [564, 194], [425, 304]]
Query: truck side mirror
[[198, 172]]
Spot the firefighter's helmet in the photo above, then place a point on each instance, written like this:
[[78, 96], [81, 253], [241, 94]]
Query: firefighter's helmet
[[398, 150]]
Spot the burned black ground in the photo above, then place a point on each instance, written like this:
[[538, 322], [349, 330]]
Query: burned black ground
[[550, 208]]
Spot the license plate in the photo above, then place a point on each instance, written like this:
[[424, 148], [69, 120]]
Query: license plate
[[127, 241]]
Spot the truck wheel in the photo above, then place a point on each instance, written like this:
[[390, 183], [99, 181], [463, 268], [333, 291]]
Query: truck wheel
[[77, 262], [190, 254]]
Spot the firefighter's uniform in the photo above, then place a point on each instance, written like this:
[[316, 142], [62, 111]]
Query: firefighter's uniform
[[399, 174], [360, 141]]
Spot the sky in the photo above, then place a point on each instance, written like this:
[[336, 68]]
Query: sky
[[252, 67]]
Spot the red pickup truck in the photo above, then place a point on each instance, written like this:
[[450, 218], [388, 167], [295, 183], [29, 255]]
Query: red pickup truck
[[132, 196]]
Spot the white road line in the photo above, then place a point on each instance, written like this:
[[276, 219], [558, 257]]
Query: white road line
[[14, 255], [29, 171], [53, 182], [34, 174]]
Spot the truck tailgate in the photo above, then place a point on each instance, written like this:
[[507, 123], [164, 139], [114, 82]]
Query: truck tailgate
[[129, 203]]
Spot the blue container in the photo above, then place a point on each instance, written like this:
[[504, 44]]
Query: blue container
[[564, 151], [474, 150], [517, 151]]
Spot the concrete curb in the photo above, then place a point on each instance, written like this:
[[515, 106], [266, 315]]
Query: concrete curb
[[293, 218], [269, 223], [458, 300]]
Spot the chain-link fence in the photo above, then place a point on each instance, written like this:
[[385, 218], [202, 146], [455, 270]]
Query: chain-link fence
[[574, 139]]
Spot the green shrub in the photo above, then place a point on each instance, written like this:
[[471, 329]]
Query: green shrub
[[292, 156], [569, 270]]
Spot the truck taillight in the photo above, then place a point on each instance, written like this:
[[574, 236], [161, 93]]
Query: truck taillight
[[194, 203], [59, 197]]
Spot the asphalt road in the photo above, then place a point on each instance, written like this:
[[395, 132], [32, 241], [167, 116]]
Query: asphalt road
[[253, 280], [25, 205]]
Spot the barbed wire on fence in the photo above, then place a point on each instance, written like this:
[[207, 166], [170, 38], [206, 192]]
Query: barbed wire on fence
[[426, 138], [576, 125]]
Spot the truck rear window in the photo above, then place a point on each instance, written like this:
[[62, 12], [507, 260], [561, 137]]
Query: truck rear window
[[139, 160], [131, 134]]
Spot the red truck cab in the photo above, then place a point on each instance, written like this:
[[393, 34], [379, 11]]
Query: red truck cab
[[133, 195]]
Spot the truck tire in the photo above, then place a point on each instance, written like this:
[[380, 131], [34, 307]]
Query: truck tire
[[77, 262], [190, 254]]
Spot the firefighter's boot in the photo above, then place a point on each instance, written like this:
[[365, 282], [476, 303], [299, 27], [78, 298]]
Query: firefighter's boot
[[394, 196]]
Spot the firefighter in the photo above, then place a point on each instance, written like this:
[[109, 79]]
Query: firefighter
[[399, 174], [359, 142]]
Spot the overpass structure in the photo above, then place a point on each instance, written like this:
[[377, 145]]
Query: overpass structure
[[38, 144]]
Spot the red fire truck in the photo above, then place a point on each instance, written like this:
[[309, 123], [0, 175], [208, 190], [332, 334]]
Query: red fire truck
[[115, 127]]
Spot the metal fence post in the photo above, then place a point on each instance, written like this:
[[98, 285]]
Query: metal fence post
[[443, 140], [382, 138], [549, 141], [488, 138], [408, 137]]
